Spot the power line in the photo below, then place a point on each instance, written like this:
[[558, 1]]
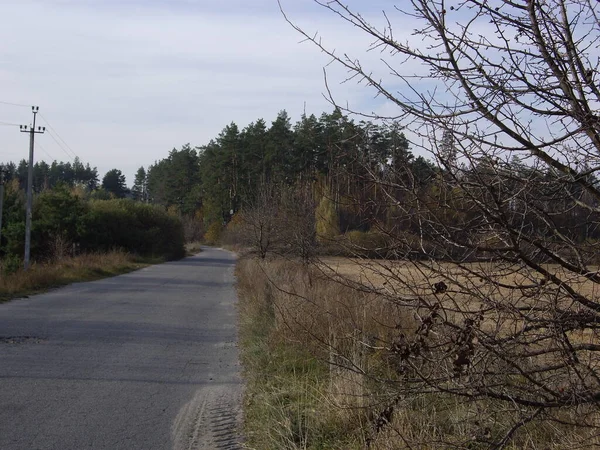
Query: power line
[[74, 155], [52, 158], [14, 104], [8, 124], [60, 145]]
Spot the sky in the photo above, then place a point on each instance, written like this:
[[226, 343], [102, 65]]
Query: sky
[[122, 82]]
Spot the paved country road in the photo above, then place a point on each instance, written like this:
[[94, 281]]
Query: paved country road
[[141, 361]]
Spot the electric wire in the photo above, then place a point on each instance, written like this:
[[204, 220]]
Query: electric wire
[[51, 131], [42, 148], [59, 144], [73, 154], [15, 104]]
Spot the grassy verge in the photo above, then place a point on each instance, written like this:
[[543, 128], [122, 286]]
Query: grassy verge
[[89, 267], [294, 398]]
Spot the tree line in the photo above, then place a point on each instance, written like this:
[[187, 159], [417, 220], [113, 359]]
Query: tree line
[[47, 176], [73, 213], [345, 178], [361, 177], [220, 178]]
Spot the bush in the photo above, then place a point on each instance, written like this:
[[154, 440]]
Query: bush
[[11, 264], [326, 218], [136, 227], [369, 244], [58, 221], [213, 233], [63, 221]]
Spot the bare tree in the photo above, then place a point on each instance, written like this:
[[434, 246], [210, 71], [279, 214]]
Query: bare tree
[[280, 220], [298, 227], [498, 262], [261, 220]]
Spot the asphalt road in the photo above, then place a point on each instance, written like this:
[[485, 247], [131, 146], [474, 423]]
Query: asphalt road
[[145, 361]]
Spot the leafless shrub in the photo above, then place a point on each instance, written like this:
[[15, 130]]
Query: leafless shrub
[[280, 220], [261, 220], [61, 247], [193, 228], [298, 227]]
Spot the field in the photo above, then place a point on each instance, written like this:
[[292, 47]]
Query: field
[[327, 350]]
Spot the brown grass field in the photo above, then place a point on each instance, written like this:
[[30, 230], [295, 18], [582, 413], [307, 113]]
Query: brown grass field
[[313, 343]]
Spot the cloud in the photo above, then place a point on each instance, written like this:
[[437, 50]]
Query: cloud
[[123, 82]]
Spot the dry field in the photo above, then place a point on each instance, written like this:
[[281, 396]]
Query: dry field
[[325, 363], [410, 278], [469, 286]]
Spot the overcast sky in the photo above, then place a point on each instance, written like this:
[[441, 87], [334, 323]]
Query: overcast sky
[[125, 81]]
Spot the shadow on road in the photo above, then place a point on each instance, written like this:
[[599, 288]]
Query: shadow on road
[[200, 261]]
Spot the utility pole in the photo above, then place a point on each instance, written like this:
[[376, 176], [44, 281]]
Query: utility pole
[[32, 132], [1, 200]]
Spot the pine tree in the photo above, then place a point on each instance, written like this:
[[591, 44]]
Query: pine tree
[[114, 182], [139, 189], [447, 153]]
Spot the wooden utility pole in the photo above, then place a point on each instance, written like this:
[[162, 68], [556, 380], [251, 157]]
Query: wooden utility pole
[[32, 132], [1, 200]]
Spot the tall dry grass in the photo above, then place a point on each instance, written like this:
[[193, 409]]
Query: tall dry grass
[[86, 267], [309, 348], [320, 373]]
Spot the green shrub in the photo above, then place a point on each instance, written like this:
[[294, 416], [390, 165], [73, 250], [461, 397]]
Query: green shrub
[[11, 264], [326, 218], [58, 222], [63, 221], [136, 227], [213, 233], [365, 243]]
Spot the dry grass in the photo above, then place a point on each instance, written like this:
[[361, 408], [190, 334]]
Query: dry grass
[[305, 359], [88, 267], [402, 278], [193, 248], [319, 375], [468, 284]]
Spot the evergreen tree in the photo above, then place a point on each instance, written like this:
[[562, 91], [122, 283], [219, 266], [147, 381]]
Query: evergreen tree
[[279, 153], [308, 146], [139, 189], [90, 178], [22, 173], [175, 181], [252, 158], [114, 182], [40, 176], [448, 153]]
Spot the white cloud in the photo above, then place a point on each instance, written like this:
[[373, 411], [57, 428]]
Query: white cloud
[[124, 82]]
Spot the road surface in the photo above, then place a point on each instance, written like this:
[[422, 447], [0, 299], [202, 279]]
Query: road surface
[[141, 361]]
